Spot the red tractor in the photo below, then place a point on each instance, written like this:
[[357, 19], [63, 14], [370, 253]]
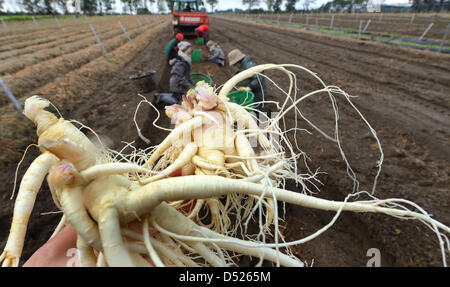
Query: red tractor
[[188, 15]]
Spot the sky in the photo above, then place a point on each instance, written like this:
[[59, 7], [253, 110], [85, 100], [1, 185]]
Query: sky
[[12, 5]]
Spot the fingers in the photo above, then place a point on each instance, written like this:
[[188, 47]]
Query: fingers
[[60, 251]]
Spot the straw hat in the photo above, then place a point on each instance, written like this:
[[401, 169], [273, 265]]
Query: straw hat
[[235, 56], [210, 43]]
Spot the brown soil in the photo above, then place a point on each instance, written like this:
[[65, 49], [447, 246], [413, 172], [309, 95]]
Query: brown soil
[[22, 47], [404, 95], [31, 31], [39, 54], [66, 92], [402, 92], [13, 38], [23, 31], [16, 59], [38, 72]]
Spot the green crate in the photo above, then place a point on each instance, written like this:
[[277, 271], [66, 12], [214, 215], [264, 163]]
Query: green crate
[[199, 41], [242, 98], [197, 77], [196, 56]]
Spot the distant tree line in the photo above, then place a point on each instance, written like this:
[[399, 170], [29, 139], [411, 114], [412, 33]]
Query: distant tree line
[[89, 7], [430, 5], [341, 3], [417, 5], [212, 4], [276, 6]]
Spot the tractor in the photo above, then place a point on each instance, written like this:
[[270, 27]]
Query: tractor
[[188, 15]]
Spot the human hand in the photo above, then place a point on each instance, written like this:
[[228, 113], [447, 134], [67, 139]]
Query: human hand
[[60, 251]]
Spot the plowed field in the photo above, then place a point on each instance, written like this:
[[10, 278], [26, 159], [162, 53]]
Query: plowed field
[[403, 93]]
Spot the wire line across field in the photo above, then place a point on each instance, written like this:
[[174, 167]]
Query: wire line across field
[[360, 31]]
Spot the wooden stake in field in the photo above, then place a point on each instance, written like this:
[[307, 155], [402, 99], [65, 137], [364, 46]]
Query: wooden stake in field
[[4, 25], [140, 25], [34, 20], [290, 18], [412, 18], [307, 19], [98, 40], [57, 22], [10, 95], [360, 27], [125, 32], [380, 17], [426, 31], [332, 22], [444, 38], [365, 27]]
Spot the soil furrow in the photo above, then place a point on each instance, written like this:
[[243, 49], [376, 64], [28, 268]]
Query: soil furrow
[[68, 47], [414, 147], [422, 59], [38, 75], [373, 76]]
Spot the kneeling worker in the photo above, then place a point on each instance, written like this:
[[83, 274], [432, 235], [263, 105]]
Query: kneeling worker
[[256, 84], [202, 32], [180, 77], [171, 51], [216, 53]]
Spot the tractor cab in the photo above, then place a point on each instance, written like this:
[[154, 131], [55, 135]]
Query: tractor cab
[[188, 15]]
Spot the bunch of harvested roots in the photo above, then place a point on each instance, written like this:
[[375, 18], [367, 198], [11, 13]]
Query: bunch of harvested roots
[[193, 195]]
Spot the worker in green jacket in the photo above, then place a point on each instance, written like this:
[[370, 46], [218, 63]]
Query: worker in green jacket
[[171, 51], [255, 84]]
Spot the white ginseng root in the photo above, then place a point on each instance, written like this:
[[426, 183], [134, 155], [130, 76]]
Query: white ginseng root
[[205, 167]]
